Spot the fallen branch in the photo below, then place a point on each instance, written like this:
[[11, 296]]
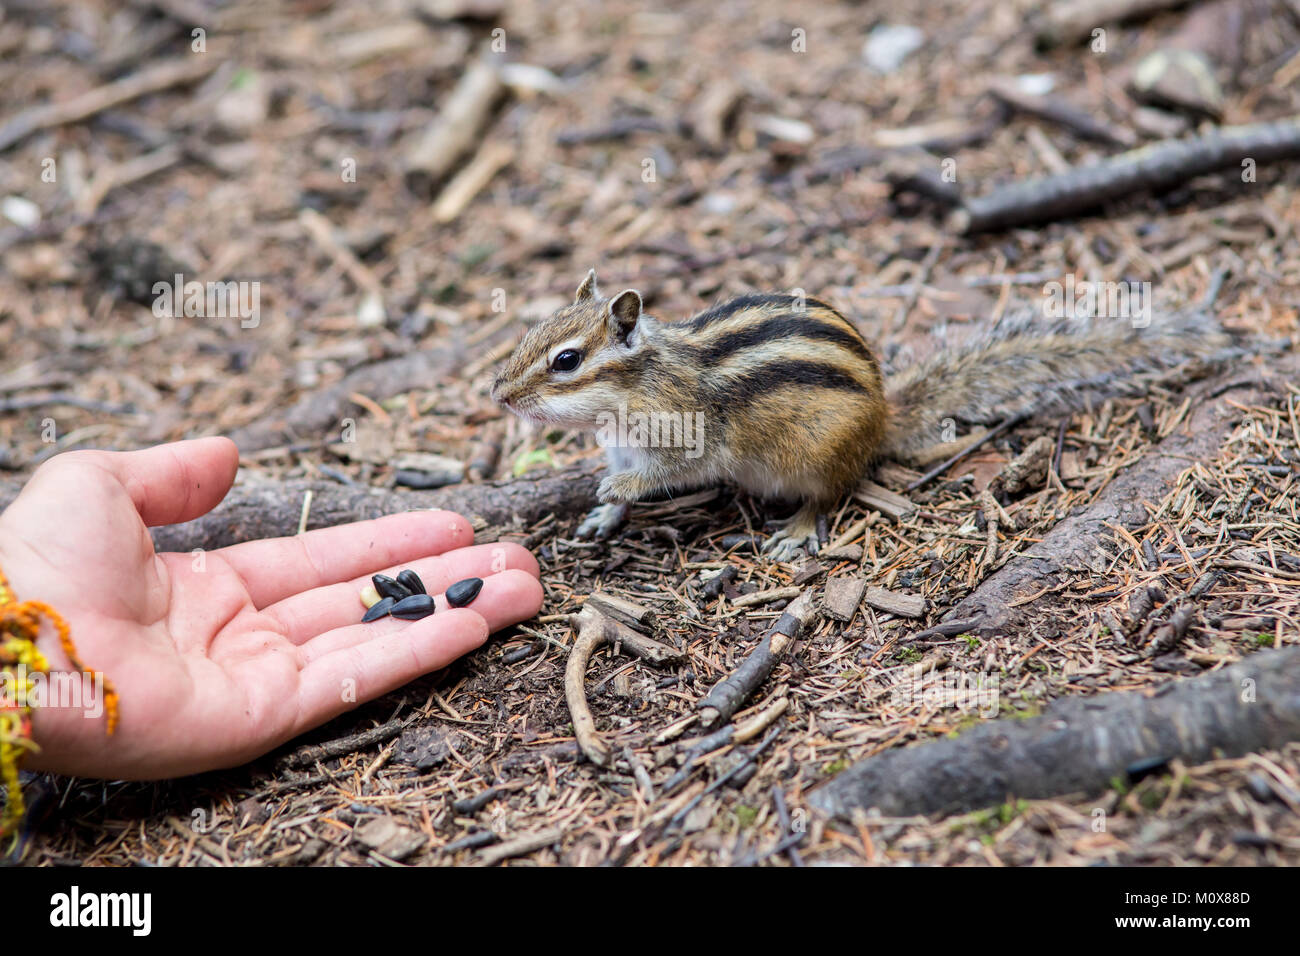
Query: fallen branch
[[1061, 112], [273, 509], [1081, 744], [594, 630], [185, 69], [308, 756], [115, 176], [433, 153], [466, 184], [728, 694], [321, 231], [1159, 166], [970, 446]]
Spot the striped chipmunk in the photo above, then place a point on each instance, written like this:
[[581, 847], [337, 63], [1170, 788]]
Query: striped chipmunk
[[782, 396]]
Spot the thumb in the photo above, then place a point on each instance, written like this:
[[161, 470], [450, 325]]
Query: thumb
[[175, 482]]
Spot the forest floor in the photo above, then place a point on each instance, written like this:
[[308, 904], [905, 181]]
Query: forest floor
[[693, 153]]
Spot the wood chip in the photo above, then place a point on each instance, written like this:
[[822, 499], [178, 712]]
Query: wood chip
[[622, 609], [842, 597], [766, 597], [883, 500], [388, 838], [894, 602], [849, 552]]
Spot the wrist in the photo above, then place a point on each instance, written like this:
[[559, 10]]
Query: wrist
[[60, 697]]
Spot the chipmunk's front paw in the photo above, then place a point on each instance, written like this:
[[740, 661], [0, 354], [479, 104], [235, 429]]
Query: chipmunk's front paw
[[622, 487], [602, 521]]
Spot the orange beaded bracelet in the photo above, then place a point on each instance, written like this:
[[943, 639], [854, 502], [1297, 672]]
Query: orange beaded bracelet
[[20, 623]]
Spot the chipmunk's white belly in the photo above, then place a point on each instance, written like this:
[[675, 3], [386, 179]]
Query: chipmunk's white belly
[[674, 470], [760, 479]]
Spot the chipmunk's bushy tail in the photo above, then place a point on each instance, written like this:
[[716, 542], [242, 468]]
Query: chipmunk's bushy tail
[[1028, 365]]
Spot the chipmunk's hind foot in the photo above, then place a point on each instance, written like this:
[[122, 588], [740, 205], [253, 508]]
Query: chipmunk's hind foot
[[796, 533]]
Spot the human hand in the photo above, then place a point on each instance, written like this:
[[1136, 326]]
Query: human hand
[[219, 657]]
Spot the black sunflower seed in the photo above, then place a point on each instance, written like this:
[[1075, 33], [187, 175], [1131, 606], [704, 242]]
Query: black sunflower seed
[[387, 587], [378, 610], [462, 592], [414, 607], [411, 581]]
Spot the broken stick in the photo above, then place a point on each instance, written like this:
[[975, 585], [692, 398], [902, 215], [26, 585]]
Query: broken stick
[[733, 690], [435, 151], [1159, 166], [184, 69]]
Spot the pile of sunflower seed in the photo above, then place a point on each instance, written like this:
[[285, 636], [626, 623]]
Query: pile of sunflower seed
[[405, 597]]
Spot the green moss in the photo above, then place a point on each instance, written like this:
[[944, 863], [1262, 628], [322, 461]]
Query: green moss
[[835, 766], [540, 457], [746, 815], [1009, 811], [968, 720], [907, 655]]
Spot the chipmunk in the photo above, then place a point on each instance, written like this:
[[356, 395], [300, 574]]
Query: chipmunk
[[791, 398]]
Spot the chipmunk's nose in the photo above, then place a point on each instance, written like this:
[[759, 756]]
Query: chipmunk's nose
[[499, 393]]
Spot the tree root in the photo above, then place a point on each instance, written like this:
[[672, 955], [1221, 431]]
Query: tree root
[[1081, 744], [269, 509], [1073, 542]]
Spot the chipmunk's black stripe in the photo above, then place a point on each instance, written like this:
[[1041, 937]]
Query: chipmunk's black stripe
[[805, 325], [756, 301], [740, 391], [623, 374]]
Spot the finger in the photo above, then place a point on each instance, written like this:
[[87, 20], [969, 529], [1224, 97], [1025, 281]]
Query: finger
[[278, 568], [171, 483], [352, 675], [314, 612], [506, 598]]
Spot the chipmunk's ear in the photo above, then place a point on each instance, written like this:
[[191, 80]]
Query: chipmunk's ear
[[588, 288], [624, 311]]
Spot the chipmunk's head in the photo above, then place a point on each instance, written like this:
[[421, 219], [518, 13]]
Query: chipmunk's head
[[578, 363]]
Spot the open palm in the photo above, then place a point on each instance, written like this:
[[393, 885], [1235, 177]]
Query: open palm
[[220, 656]]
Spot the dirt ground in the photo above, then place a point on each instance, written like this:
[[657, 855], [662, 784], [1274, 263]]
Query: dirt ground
[[692, 152]]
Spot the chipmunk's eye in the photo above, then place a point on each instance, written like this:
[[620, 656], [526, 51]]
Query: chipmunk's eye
[[566, 361]]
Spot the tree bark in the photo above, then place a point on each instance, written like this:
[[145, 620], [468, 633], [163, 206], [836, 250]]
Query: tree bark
[[271, 509], [1081, 744]]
